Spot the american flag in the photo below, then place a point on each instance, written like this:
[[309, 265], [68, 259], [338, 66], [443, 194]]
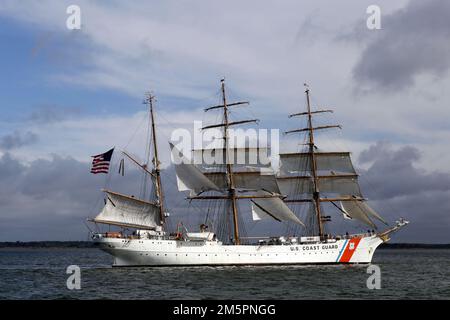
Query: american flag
[[100, 162]]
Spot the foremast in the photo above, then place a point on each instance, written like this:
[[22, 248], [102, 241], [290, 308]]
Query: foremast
[[316, 196], [311, 147], [330, 177]]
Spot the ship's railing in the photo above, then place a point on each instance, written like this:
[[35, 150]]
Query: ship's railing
[[262, 240]]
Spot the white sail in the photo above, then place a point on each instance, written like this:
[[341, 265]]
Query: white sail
[[326, 163], [263, 208], [372, 212], [345, 214], [343, 186], [337, 185], [242, 159], [359, 210], [124, 210], [189, 177], [246, 180], [295, 186]]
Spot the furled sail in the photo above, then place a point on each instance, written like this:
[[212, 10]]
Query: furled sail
[[122, 210], [189, 177], [263, 208], [359, 210]]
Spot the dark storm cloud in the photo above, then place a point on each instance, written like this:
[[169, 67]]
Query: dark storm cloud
[[393, 172], [44, 196], [50, 199], [16, 140], [413, 41], [398, 188]]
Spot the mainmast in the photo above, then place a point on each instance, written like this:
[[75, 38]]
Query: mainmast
[[248, 181], [156, 169], [229, 169]]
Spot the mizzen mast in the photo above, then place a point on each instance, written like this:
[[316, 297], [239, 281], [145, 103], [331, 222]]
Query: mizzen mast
[[156, 168]]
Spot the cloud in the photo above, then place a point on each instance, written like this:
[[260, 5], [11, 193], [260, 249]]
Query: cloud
[[398, 188], [413, 42], [393, 172], [17, 139], [46, 114], [181, 50], [49, 199]]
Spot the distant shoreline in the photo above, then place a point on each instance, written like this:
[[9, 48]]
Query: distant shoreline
[[90, 245]]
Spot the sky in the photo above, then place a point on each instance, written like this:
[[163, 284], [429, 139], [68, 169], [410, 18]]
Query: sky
[[69, 94]]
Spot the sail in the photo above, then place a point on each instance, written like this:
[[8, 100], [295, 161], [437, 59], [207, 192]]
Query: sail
[[246, 180], [359, 210], [295, 186], [326, 163], [336, 185], [242, 159], [189, 177], [125, 211], [263, 208], [340, 185]]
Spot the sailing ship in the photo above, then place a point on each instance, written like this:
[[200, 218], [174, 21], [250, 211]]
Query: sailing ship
[[311, 178]]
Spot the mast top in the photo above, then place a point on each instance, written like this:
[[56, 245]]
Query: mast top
[[149, 97]]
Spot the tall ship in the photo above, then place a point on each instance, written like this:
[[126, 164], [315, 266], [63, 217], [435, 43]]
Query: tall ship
[[239, 188]]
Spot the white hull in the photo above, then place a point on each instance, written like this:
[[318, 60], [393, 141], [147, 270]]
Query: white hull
[[154, 252]]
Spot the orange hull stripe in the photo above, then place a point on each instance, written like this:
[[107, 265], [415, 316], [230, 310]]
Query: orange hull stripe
[[350, 249]]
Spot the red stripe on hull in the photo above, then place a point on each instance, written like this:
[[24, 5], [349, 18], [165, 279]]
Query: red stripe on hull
[[350, 249]]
